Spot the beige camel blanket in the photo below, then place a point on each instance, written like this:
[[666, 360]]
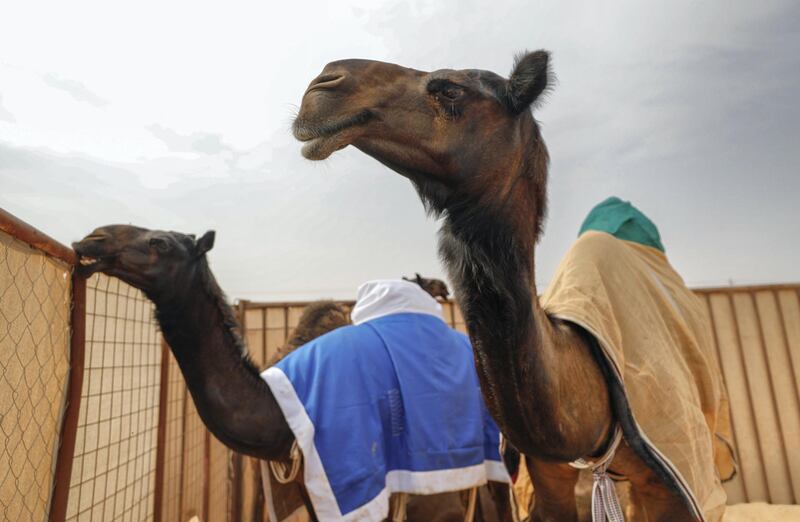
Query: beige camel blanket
[[657, 336]]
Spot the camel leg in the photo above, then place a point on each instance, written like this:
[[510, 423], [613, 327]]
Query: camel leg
[[554, 491], [654, 501]]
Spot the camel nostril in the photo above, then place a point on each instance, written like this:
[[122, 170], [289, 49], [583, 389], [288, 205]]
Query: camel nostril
[[96, 237], [326, 81]]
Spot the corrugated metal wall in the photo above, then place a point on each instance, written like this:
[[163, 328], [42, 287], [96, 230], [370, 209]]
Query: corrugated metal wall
[[757, 332], [757, 335]]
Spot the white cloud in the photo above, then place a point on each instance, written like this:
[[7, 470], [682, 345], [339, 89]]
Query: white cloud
[[197, 142], [5, 115], [75, 89]]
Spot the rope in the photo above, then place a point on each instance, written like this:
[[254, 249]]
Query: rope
[[400, 501], [279, 469], [473, 501]]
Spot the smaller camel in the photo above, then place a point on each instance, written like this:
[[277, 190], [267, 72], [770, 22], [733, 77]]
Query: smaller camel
[[200, 328], [436, 287], [232, 399]]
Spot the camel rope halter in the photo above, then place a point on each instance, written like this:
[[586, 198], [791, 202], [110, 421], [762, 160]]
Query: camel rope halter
[[283, 473]]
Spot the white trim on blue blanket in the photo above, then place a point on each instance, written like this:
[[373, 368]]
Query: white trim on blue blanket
[[316, 482], [397, 481]]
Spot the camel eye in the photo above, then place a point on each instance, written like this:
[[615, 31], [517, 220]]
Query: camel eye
[[451, 93], [160, 244]]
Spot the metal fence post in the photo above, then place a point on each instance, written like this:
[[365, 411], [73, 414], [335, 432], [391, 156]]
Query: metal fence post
[[69, 428], [161, 434], [206, 473], [186, 398], [236, 458]]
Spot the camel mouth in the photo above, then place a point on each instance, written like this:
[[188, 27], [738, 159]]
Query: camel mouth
[[88, 261], [88, 265], [91, 260], [322, 140]]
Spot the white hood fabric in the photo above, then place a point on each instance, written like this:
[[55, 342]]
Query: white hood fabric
[[383, 297]]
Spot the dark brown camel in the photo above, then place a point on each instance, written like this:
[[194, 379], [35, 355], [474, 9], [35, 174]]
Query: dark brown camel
[[435, 287], [171, 269], [233, 401], [468, 142]]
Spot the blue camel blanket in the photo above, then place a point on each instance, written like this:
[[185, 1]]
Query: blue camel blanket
[[390, 405]]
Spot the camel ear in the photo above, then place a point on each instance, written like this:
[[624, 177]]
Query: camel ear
[[205, 243], [419, 278], [528, 80]]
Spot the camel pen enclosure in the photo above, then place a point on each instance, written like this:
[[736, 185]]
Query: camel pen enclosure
[[96, 419], [96, 422]]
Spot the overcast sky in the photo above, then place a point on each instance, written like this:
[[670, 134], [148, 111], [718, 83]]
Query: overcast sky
[[176, 115]]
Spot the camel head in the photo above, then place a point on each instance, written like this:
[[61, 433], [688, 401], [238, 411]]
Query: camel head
[[435, 287], [453, 133], [154, 261]]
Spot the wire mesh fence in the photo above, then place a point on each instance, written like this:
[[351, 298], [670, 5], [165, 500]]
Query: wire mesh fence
[[96, 423], [35, 295], [173, 442], [114, 460]]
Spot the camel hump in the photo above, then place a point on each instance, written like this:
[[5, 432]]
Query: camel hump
[[624, 221]]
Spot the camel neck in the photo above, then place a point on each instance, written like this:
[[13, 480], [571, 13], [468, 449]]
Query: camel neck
[[230, 395], [200, 326], [491, 264]]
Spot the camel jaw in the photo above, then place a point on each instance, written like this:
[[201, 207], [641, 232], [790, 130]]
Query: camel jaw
[[320, 140]]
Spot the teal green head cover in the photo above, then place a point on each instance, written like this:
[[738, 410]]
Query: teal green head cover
[[623, 221]]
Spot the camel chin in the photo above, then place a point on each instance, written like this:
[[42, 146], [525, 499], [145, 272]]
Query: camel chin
[[321, 148]]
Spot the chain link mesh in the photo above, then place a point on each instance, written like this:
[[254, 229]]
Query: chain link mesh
[[114, 463], [35, 294]]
